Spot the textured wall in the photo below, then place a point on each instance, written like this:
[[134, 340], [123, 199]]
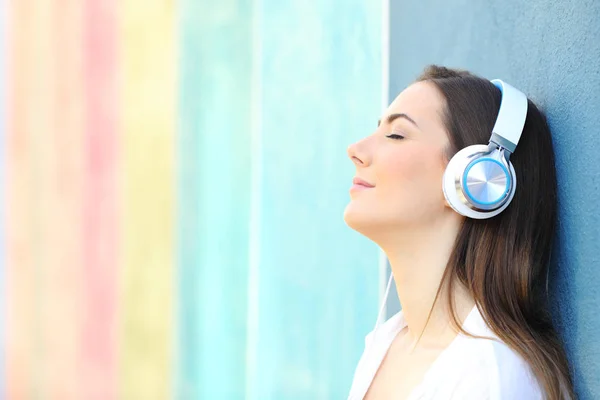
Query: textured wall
[[551, 50]]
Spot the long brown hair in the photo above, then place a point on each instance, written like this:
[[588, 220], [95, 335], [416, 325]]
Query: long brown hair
[[503, 260]]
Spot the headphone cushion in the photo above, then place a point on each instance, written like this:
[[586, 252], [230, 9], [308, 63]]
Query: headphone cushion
[[453, 192]]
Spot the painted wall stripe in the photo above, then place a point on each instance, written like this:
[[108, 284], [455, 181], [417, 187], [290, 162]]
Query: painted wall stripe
[[148, 91], [28, 98], [187, 383], [214, 192], [253, 318], [4, 40], [58, 147], [319, 88], [101, 228]]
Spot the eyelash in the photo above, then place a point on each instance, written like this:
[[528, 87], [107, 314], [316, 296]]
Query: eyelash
[[395, 136]]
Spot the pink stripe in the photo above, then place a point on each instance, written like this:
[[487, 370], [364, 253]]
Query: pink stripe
[[101, 232]]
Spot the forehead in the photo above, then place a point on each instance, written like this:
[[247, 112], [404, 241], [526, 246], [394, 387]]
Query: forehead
[[422, 102]]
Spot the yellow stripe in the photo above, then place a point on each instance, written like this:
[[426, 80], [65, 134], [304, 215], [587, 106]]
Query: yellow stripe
[[147, 51]]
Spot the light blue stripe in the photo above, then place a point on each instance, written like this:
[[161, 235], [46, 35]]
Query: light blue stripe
[[214, 197], [321, 90]]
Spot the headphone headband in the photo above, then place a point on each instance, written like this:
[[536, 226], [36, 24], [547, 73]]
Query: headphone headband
[[511, 116], [480, 181]]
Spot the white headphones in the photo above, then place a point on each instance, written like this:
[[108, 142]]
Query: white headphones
[[479, 181]]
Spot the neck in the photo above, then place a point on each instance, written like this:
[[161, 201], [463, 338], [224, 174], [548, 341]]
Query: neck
[[418, 260]]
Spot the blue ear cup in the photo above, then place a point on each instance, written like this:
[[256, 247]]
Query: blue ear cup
[[479, 182]]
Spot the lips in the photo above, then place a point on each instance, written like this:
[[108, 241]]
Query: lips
[[359, 182], [360, 185]]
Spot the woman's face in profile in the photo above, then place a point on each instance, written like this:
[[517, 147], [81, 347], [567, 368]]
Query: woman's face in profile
[[401, 164]]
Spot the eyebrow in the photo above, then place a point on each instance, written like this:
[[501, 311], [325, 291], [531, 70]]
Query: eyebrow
[[392, 117]]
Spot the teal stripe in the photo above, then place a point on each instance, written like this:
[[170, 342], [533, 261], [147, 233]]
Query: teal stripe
[[214, 197]]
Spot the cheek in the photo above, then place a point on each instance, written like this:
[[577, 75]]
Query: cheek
[[413, 176]]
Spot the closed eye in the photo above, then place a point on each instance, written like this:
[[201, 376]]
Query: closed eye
[[395, 136]]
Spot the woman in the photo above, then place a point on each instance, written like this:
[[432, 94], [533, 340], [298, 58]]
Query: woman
[[469, 256]]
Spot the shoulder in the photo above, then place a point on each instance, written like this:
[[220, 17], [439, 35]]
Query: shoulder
[[480, 369], [510, 374], [503, 372]]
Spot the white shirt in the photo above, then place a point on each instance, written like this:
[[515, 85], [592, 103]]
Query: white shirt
[[468, 369]]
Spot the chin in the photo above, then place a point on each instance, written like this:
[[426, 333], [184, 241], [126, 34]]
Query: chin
[[362, 219], [375, 222]]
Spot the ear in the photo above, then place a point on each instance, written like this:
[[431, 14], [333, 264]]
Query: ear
[[444, 198], [446, 204]]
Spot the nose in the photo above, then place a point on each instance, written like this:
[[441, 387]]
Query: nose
[[357, 155]]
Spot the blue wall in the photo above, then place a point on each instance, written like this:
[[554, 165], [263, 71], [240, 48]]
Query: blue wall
[[550, 50]]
